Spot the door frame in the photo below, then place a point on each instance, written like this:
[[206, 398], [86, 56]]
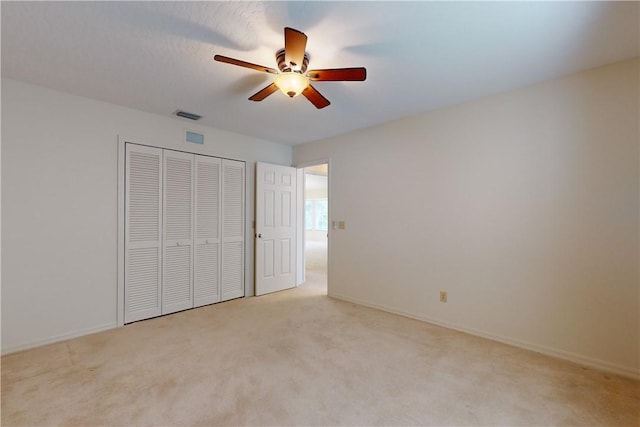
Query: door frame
[[300, 258]]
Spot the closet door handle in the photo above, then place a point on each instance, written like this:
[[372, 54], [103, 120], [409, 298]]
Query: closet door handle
[[259, 235]]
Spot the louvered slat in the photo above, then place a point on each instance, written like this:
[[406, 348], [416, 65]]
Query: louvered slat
[[206, 281], [206, 275], [208, 200], [233, 200], [177, 221], [232, 270], [232, 265], [177, 288], [142, 227], [177, 277], [142, 272], [144, 197]]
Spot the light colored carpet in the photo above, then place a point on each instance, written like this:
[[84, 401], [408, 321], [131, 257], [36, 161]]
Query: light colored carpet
[[298, 357], [316, 264]]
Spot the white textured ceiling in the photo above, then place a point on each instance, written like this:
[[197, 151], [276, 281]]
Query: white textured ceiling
[[158, 56]]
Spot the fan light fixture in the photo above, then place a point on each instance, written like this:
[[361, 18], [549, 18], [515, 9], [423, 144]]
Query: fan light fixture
[[291, 83]]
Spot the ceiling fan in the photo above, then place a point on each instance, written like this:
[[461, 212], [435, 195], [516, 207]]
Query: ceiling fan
[[293, 77]]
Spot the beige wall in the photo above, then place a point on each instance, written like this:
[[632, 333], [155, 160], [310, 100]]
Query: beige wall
[[522, 206], [59, 205]]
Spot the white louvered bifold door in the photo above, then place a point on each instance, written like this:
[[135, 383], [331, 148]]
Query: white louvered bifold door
[[206, 279], [232, 265], [143, 224], [177, 277]]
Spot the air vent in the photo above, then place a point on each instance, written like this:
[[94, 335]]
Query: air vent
[[196, 138], [187, 115]]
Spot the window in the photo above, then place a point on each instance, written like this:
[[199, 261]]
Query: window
[[316, 215], [321, 215], [308, 215]]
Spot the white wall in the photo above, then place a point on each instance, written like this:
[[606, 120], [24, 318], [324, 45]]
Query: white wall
[[59, 205], [522, 206]]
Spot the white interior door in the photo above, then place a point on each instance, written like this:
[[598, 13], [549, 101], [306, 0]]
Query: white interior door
[[206, 280], [275, 227], [143, 231], [177, 289]]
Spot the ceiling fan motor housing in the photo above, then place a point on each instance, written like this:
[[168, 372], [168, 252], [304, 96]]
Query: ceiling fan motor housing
[[284, 67]]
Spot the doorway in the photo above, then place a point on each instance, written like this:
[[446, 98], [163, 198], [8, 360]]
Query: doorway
[[316, 226]]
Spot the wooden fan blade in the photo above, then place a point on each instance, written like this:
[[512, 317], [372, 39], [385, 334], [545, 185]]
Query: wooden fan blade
[[239, 63], [338, 74], [262, 94], [315, 97], [295, 43]]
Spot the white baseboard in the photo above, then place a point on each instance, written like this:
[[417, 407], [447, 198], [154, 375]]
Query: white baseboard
[[560, 354], [57, 338]]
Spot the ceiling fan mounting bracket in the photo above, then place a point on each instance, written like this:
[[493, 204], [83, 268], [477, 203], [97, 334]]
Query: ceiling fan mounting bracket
[[288, 67]]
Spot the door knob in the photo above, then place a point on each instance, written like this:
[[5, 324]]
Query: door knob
[[259, 235]]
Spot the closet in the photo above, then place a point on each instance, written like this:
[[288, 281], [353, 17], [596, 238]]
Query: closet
[[184, 231]]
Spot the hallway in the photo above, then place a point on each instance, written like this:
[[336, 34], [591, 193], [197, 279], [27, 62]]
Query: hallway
[[316, 264]]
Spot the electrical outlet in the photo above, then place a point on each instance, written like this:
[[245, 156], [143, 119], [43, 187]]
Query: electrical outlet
[[443, 296]]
